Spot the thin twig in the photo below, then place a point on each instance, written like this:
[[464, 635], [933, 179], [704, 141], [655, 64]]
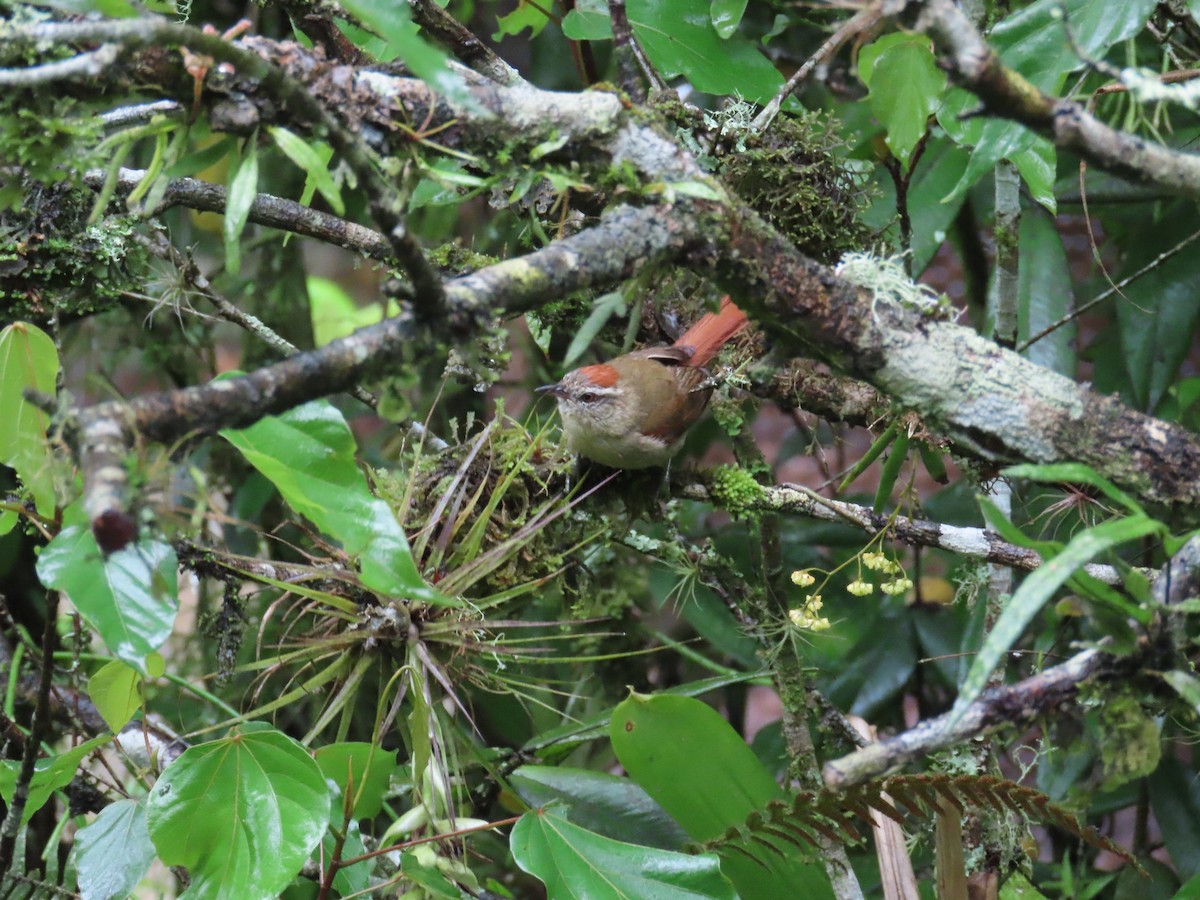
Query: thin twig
[[1115, 289]]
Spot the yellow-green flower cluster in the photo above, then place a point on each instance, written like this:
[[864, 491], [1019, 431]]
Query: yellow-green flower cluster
[[806, 616], [878, 562], [860, 588], [899, 586], [803, 579]]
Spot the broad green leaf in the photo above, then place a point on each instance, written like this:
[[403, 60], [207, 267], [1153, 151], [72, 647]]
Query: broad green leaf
[[113, 852], [588, 21], [708, 779], [116, 690], [934, 176], [1037, 588], [49, 775], [1038, 166], [422, 870], [1032, 41], [1175, 801], [300, 152], [335, 314], [308, 453], [361, 768], [884, 667], [906, 88], [576, 864], [204, 158], [242, 191], [533, 16], [679, 38], [349, 880], [393, 22], [605, 308], [1186, 685], [597, 726], [130, 598], [1045, 294], [726, 15], [28, 359], [613, 807], [241, 814], [1159, 311]]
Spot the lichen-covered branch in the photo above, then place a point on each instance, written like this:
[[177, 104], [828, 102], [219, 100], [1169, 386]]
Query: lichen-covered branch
[[274, 212], [384, 197], [973, 543], [1068, 124], [987, 399]]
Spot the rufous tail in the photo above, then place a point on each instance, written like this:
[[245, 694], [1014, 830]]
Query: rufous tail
[[712, 331]]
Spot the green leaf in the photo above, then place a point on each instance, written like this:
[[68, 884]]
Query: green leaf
[[308, 453], [1038, 166], [335, 314], [116, 690], [939, 169], [113, 852], [906, 88], [393, 22], [726, 15], [1037, 588], [130, 598], [1045, 294], [891, 470], [708, 779], [306, 157], [1175, 801], [597, 726], [1159, 312], [575, 864], [1186, 685], [679, 38], [241, 814], [28, 359], [49, 775], [243, 189], [526, 15], [588, 21], [610, 806], [1032, 42], [361, 767], [605, 308]]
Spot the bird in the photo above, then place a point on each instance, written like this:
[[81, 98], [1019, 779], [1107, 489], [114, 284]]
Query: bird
[[634, 411]]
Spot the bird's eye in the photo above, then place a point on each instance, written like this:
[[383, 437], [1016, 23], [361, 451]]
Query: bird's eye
[[588, 397]]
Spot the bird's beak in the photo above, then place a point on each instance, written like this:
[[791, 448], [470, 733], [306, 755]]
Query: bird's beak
[[554, 390]]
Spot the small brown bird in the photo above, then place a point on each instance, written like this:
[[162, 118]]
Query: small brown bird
[[633, 412]]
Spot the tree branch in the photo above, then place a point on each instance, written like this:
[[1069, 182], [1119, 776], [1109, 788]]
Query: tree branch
[[624, 242], [1068, 124], [974, 543], [1021, 703], [274, 212]]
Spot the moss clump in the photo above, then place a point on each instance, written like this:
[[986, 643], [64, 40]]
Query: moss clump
[[791, 175], [734, 489], [51, 259], [1130, 745], [453, 259]]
